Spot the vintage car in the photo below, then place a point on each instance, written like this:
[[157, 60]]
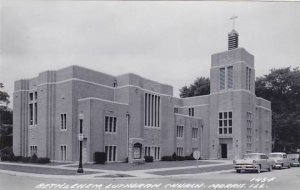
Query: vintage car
[[280, 159], [253, 162], [294, 160]]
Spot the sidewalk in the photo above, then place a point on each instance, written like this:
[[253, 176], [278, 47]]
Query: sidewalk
[[69, 170]]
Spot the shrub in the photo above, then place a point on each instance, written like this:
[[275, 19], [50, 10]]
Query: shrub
[[18, 158], [189, 158], [11, 157], [100, 157], [4, 158], [166, 158], [179, 158], [148, 158], [34, 158], [43, 160], [174, 156], [26, 159]]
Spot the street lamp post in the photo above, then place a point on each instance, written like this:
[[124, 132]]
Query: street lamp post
[[128, 123], [80, 138]]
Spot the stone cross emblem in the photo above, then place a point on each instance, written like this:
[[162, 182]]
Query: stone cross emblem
[[233, 20]]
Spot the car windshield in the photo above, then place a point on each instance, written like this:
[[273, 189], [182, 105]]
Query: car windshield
[[275, 155], [293, 155], [251, 156]]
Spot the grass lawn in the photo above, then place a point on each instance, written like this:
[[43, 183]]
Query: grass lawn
[[192, 170], [149, 165], [36, 170], [47, 164]]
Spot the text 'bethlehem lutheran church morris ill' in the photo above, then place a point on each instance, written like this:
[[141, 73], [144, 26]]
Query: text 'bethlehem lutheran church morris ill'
[[128, 116]]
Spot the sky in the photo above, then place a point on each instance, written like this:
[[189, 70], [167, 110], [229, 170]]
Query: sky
[[170, 42]]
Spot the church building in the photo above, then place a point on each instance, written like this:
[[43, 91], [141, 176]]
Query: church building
[[129, 117]]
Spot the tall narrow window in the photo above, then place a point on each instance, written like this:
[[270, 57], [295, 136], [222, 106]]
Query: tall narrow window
[[63, 152], [33, 150], [152, 110], [191, 112], [158, 110], [106, 123], [35, 113], [147, 151], [149, 99], [155, 112], [111, 153], [81, 126], [222, 78], [249, 131], [179, 151], [31, 96], [248, 78], [179, 131], [146, 109], [30, 114], [63, 121], [194, 133], [249, 75], [110, 124], [229, 77], [115, 124]]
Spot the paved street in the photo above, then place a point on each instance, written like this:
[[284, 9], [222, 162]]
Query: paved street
[[225, 179]]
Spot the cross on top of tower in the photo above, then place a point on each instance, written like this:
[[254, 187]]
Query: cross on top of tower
[[233, 20]]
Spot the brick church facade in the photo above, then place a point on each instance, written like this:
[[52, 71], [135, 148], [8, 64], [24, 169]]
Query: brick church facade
[[128, 116]]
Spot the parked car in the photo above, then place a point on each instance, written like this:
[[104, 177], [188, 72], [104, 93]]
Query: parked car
[[294, 160], [253, 162], [280, 159]]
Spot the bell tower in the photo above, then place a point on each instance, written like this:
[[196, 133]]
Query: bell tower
[[233, 36]]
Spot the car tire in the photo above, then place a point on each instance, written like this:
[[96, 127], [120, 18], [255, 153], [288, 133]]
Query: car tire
[[270, 168], [258, 169], [289, 166], [238, 171], [281, 167]]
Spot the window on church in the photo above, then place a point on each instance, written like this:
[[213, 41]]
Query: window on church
[[179, 151], [225, 122], [248, 78], [176, 110], [194, 133], [229, 77], [111, 153], [30, 96], [191, 112], [147, 151], [110, 124], [63, 152], [33, 150], [63, 121], [222, 78], [30, 114], [137, 151], [179, 131], [152, 110], [33, 113], [156, 153]]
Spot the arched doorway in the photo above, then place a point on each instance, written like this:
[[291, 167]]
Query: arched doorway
[[137, 151]]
